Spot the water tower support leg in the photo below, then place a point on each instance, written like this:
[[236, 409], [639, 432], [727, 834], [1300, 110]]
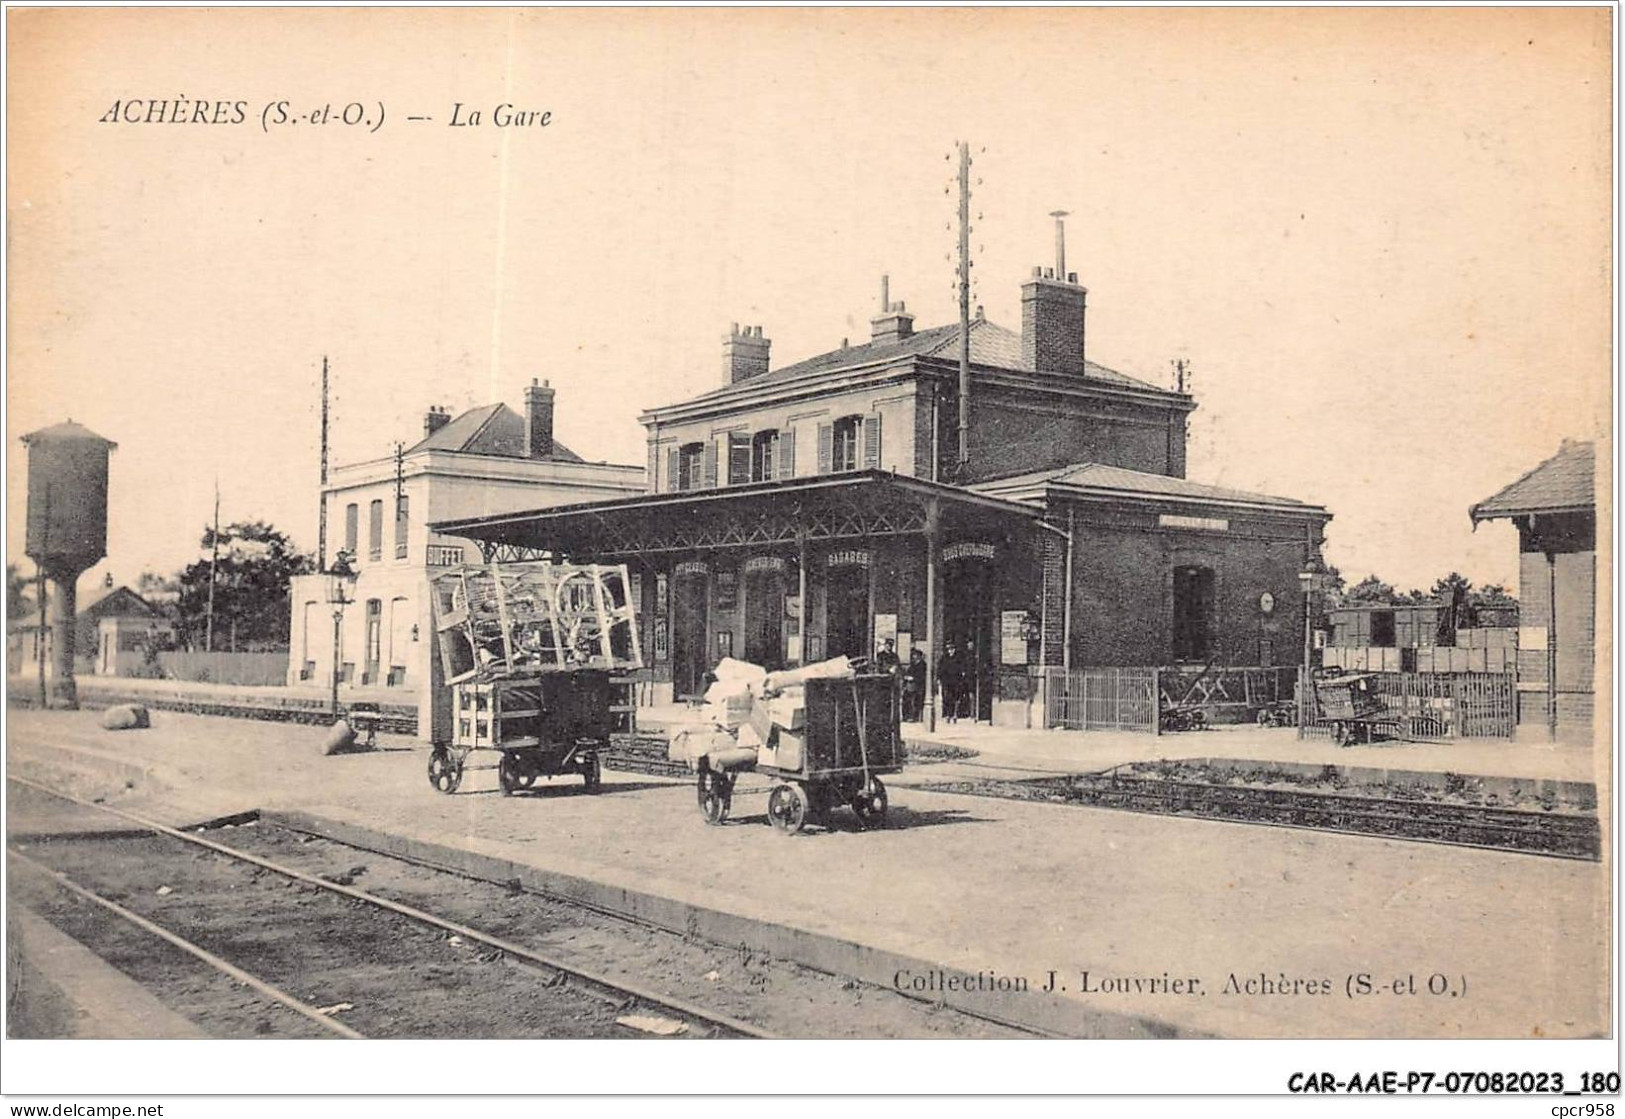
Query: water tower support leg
[[63, 606]]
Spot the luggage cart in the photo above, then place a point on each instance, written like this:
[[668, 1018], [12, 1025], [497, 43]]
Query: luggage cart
[[850, 739], [537, 657], [1353, 711]]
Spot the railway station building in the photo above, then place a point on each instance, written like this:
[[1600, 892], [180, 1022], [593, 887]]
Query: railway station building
[[1554, 507], [824, 507], [486, 460]]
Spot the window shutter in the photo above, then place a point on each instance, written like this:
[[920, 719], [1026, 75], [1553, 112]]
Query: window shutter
[[674, 481], [826, 448], [738, 458], [787, 453], [871, 442], [710, 464]]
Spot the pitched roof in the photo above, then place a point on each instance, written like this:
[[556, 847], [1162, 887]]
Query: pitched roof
[[117, 600], [1095, 478], [990, 344], [1563, 483], [492, 429], [67, 430]]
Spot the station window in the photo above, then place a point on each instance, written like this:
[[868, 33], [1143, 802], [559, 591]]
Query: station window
[[352, 527], [402, 520], [764, 456], [375, 531], [844, 449], [691, 466]]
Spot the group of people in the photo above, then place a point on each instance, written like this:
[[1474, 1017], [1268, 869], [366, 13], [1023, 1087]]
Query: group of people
[[955, 678]]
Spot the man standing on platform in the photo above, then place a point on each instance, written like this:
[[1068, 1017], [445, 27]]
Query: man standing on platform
[[914, 686]]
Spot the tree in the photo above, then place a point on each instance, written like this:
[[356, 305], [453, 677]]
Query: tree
[[19, 599], [251, 577], [1371, 590], [1493, 595]]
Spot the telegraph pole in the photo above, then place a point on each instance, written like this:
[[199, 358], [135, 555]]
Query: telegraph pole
[[964, 305], [214, 561], [400, 477], [321, 515], [39, 572]]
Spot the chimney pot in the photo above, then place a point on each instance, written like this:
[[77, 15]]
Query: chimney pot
[[1071, 277], [435, 419], [894, 323], [1038, 272]]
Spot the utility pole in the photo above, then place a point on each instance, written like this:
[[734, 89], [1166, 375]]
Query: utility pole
[[321, 514], [964, 306], [39, 574], [214, 561], [400, 477]]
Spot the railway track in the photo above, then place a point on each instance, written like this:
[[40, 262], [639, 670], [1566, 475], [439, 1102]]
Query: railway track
[[271, 924], [1565, 835]]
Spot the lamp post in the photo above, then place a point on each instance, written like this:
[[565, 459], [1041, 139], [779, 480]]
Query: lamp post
[[1310, 577], [341, 577]]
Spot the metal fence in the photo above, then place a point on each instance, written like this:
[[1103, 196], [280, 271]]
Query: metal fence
[[1436, 705], [1101, 699]]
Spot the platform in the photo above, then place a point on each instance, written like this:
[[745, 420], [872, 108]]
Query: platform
[[977, 885]]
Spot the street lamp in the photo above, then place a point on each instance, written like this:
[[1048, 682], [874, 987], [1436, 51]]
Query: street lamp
[[341, 577], [1311, 577]]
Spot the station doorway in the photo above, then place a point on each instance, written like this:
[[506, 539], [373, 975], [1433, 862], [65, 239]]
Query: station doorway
[[846, 611], [967, 624], [765, 591], [1194, 613], [690, 592]]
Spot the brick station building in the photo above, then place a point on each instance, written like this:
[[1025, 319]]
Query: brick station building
[[818, 508]]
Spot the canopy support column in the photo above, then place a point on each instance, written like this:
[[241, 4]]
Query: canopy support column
[[932, 533]]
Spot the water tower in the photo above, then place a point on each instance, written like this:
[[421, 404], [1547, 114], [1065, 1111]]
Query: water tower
[[67, 528]]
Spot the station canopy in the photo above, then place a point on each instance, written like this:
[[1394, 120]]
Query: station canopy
[[860, 504]]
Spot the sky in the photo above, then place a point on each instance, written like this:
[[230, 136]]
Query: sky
[[1380, 236]]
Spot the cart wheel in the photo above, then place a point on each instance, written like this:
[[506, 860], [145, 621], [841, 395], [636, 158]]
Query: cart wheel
[[507, 774], [787, 809], [593, 774], [870, 803], [445, 771], [715, 795]]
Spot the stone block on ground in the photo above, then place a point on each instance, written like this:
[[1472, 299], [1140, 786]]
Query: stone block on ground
[[126, 716], [341, 739]]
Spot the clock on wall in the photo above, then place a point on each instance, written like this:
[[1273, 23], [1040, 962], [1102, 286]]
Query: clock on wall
[[1266, 602]]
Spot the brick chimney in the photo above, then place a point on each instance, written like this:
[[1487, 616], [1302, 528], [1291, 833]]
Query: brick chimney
[[1052, 315], [435, 419], [894, 323], [744, 353], [538, 419]]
